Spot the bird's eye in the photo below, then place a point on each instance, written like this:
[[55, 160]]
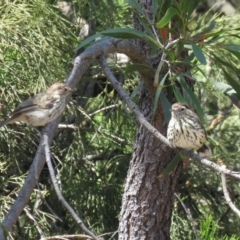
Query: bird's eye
[[182, 109], [65, 89]]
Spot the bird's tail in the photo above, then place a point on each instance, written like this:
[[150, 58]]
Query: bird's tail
[[204, 151]]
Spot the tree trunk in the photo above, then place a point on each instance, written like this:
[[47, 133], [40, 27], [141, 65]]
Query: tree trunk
[[148, 201]]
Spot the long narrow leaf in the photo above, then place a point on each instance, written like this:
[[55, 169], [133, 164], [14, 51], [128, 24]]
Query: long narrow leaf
[[235, 84], [128, 33], [167, 17], [158, 92], [178, 95], [171, 166], [155, 8], [88, 40], [166, 105], [137, 67], [228, 91], [192, 96], [134, 4], [199, 54]]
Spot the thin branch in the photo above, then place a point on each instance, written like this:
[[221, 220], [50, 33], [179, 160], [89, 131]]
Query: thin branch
[[102, 109], [162, 61], [66, 237], [153, 29], [226, 195], [159, 68], [189, 216], [114, 137], [113, 235], [81, 65], [34, 220], [141, 119], [58, 191]]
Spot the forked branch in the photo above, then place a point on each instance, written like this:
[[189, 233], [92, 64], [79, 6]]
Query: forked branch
[[141, 119]]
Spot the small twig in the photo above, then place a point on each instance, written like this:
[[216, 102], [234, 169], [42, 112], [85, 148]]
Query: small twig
[[102, 109], [159, 68], [153, 29], [189, 216], [45, 202], [106, 234], [162, 61], [66, 237], [170, 44], [141, 119], [71, 126], [58, 191], [34, 220], [114, 137], [226, 195], [126, 98], [113, 235]]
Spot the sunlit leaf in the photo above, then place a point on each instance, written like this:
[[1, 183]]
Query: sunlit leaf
[[88, 40], [228, 91], [232, 81], [233, 48], [199, 54], [167, 17], [127, 33]]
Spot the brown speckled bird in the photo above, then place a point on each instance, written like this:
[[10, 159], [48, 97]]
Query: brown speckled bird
[[42, 108], [186, 131]]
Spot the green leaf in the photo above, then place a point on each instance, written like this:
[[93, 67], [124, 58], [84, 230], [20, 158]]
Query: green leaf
[[137, 67], [167, 17], [135, 90], [158, 92], [199, 54], [87, 41], [155, 8], [127, 33], [192, 96], [134, 4], [166, 105], [232, 48], [188, 6], [232, 81], [141, 15], [178, 95], [171, 166], [229, 92]]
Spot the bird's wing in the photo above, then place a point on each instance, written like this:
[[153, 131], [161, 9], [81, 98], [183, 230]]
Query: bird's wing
[[46, 101], [39, 101], [28, 104]]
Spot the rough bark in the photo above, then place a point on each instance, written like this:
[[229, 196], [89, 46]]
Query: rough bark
[[148, 201]]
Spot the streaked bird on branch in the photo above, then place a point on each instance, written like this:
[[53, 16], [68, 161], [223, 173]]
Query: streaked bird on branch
[[186, 131], [43, 108]]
